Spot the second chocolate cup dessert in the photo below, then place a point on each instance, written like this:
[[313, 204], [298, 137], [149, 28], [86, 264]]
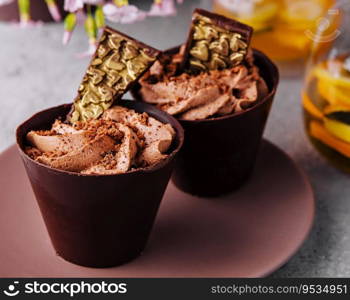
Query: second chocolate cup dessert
[[219, 152], [221, 91], [98, 219]]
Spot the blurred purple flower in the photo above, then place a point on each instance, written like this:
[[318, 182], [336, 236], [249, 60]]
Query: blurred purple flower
[[124, 14], [163, 8]]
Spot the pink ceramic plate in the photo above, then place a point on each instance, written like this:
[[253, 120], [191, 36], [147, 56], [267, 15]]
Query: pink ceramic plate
[[249, 233]]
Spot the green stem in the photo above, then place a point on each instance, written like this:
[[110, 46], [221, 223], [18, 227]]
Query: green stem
[[90, 25], [99, 17], [24, 9]]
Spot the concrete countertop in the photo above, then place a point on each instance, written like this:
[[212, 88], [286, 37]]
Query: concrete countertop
[[36, 72]]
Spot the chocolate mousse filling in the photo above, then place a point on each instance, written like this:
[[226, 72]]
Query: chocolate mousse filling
[[120, 141], [209, 94]]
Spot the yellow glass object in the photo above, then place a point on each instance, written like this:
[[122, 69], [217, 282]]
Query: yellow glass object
[[337, 129], [284, 29], [318, 132], [326, 92]]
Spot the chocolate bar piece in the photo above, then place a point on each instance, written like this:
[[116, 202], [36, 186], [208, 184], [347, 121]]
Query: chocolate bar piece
[[215, 42], [119, 61]]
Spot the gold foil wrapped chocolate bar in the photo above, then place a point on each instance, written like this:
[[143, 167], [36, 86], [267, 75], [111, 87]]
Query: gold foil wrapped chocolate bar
[[215, 42], [117, 63]]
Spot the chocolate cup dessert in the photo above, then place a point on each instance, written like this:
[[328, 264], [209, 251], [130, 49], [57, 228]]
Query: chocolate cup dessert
[[98, 220], [38, 11], [219, 154]]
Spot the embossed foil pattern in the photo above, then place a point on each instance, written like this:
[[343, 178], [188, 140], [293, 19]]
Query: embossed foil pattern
[[118, 62], [213, 47]]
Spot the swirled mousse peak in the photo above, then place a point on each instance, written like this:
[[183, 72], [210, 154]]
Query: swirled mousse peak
[[212, 75], [205, 95], [120, 141]]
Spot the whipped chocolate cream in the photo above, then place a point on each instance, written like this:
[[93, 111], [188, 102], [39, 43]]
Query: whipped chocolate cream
[[206, 95], [120, 141]]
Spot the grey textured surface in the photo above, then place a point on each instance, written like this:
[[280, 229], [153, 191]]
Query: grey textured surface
[[36, 72]]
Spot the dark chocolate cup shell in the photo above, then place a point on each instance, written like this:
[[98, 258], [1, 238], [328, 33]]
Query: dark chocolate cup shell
[[98, 220], [219, 154]]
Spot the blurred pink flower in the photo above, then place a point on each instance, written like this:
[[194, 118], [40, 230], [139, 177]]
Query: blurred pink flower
[[4, 2], [164, 8], [54, 12], [67, 35], [125, 14], [93, 2], [74, 5], [27, 24]]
